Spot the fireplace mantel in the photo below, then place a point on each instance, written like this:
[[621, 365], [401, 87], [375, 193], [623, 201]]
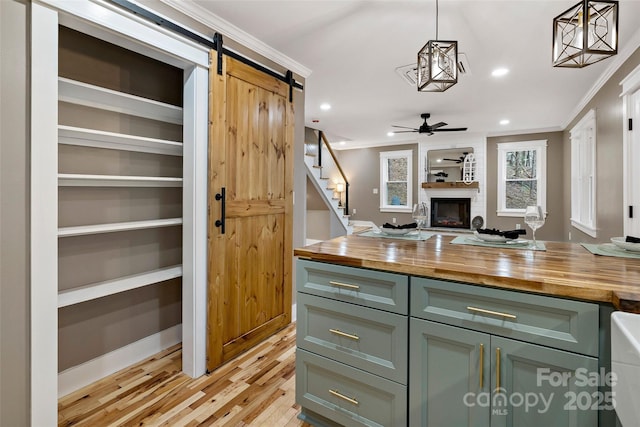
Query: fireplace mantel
[[450, 185]]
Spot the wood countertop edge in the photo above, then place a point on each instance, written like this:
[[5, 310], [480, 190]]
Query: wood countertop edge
[[623, 301]]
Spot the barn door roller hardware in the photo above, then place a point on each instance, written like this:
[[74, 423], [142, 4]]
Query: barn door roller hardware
[[215, 44]]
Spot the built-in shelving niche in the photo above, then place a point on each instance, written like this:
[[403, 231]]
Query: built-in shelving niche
[[119, 197]]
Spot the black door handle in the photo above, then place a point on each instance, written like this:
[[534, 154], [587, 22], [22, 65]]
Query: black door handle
[[221, 196]]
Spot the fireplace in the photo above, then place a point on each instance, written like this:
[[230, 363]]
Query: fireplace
[[450, 212]]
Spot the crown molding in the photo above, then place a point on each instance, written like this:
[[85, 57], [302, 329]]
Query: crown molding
[[634, 43], [226, 28]]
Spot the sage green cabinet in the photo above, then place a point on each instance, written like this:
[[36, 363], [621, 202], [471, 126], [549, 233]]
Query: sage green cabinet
[[372, 340], [352, 339], [385, 349], [347, 396], [535, 373], [466, 378], [553, 322], [446, 364]]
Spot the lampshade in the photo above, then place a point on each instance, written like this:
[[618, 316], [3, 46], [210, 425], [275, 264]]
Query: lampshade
[[437, 66], [585, 34], [339, 187]]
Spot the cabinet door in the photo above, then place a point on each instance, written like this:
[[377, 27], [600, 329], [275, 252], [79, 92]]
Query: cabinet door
[[447, 377], [541, 386]]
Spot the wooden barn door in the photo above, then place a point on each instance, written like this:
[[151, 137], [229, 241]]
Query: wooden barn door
[[250, 196]]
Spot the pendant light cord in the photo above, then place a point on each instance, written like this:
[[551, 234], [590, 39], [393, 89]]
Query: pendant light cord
[[436, 19]]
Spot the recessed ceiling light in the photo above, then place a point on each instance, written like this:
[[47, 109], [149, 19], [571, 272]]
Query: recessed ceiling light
[[390, 133], [326, 106], [343, 142], [439, 160], [499, 72], [504, 122]]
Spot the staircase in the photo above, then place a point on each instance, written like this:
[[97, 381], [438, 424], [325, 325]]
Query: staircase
[[326, 175]]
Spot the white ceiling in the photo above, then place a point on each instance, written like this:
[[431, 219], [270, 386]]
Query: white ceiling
[[354, 47]]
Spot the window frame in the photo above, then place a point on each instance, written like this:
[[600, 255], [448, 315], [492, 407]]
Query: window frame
[[583, 167], [540, 146], [384, 173]]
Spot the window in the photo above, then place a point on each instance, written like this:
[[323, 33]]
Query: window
[[522, 171], [395, 181], [583, 168]]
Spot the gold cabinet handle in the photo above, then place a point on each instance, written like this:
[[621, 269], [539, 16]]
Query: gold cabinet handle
[[344, 285], [344, 334], [481, 366], [495, 313], [343, 397], [498, 370]]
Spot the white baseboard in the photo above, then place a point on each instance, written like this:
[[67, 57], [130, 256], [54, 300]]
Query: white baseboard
[[79, 376]]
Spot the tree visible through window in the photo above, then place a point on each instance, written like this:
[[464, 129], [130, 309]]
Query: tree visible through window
[[395, 181], [521, 180], [521, 176]]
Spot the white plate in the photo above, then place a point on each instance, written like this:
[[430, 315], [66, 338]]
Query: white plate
[[396, 231], [493, 238], [629, 246], [516, 242]]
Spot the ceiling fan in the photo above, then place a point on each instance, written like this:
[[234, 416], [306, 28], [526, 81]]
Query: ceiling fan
[[459, 159], [428, 129]]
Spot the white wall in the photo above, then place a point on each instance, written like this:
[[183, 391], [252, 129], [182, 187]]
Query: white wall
[[477, 195]]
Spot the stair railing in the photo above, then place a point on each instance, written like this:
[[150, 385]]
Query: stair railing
[[322, 139]]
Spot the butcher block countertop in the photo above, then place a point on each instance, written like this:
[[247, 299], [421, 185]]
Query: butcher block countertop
[[563, 270]]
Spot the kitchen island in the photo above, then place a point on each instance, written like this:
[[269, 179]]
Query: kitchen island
[[563, 270], [400, 332]]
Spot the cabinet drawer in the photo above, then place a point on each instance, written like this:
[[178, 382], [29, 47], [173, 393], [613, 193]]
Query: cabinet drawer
[[347, 395], [366, 338], [553, 322], [376, 289]]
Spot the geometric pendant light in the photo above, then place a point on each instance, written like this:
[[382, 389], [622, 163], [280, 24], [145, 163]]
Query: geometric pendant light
[[585, 34], [437, 64]]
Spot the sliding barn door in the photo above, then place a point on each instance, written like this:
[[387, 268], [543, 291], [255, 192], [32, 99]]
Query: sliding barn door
[[250, 209]]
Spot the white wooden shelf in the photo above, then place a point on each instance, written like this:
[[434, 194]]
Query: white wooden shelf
[[111, 287], [83, 230], [83, 180], [69, 135], [106, 99]]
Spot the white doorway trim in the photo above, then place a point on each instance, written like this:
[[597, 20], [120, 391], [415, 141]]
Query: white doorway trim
[[630, 87], [116, 26]]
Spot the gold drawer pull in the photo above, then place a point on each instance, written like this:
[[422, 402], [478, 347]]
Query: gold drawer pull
[[481, 366], [344, 334], [344, 285], [343, 397], [495, 313], [498, 390]]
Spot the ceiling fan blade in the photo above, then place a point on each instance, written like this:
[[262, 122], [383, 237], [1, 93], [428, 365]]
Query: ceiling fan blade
[[453, 160], [404, 127], [449, 130], [406, 131], [438, 125]]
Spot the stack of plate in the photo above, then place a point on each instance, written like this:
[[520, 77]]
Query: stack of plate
[[627, 246]]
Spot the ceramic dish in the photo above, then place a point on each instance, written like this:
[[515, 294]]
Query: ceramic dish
[[628, 246], [492, 238], [396, 231], [513, 242]]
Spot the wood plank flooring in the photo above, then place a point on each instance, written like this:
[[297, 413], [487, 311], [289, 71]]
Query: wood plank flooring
[[255, 389]]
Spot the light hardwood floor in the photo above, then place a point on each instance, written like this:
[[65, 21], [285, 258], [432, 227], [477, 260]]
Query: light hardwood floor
[[255, 389]]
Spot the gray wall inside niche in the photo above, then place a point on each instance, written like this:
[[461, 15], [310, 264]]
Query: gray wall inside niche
[[91, 329], [362, 167]]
